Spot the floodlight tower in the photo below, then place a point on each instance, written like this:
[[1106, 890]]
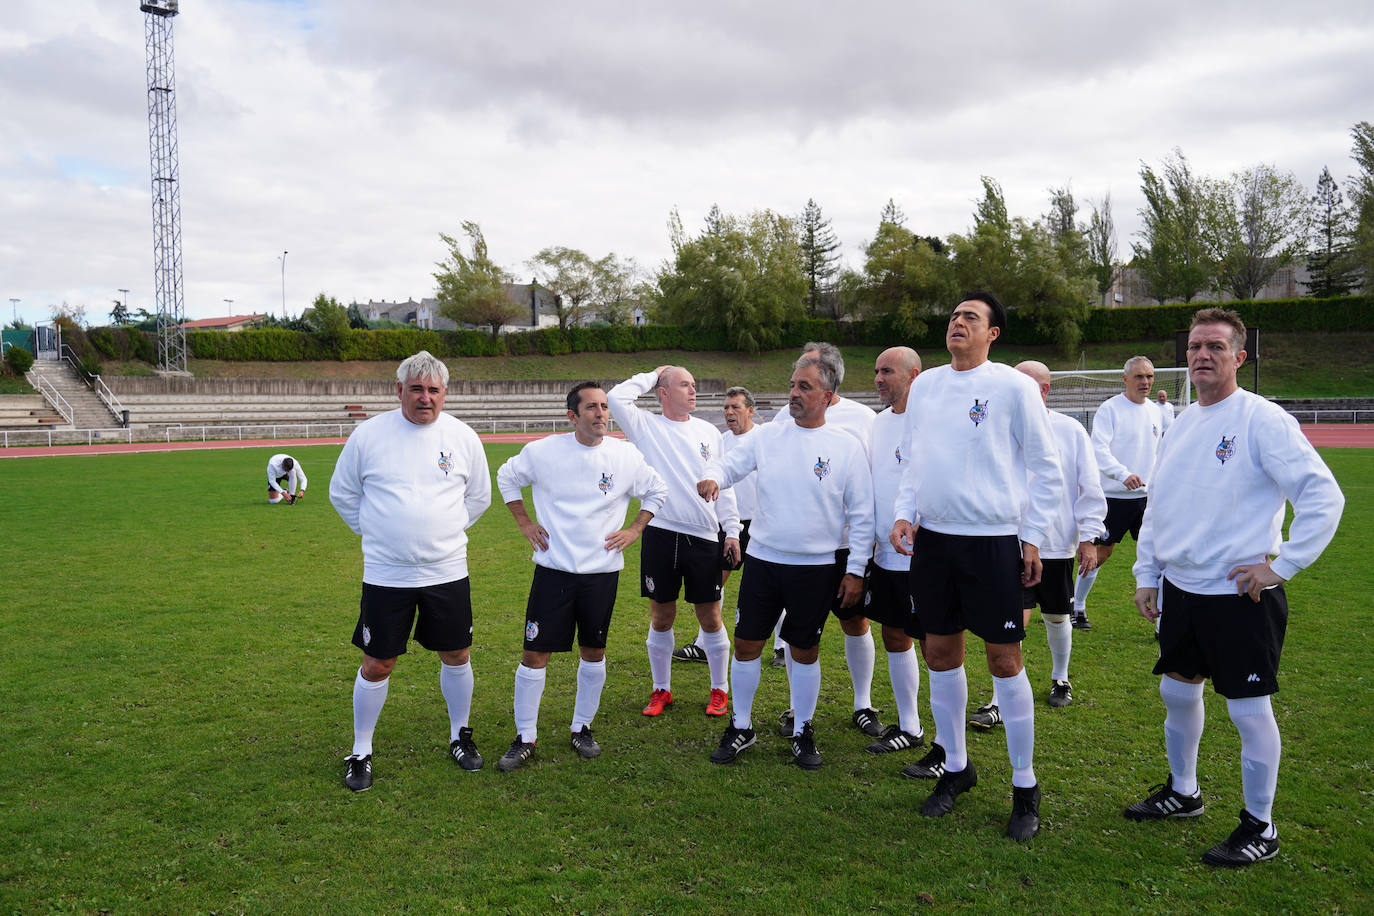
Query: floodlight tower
[[162, 144]]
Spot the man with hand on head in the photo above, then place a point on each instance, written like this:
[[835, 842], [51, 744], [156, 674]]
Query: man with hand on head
[[582, 483]]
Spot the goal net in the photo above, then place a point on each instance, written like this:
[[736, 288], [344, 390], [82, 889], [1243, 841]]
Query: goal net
[[1079, 392]]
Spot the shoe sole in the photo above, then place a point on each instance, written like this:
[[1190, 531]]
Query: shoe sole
[[679, 658], [648, 711], [1143, 816], [505, 767], [587, 755], [1060, 704], [1231, 863], [982, 726], [356, 791]]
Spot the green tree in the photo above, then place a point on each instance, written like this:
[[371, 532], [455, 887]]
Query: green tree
[[743, 275], [1260, 227], [119, 315], [329, 322], [356, 319], [472, 287], [1101, 238], [892, 213], [572, 276], [1174, 254], [904, 278], [1069, 239], [820, 259], [1361, 189], [619, 286], [1330, 264]]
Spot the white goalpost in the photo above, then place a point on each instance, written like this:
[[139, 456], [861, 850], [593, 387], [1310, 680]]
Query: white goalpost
[[1079, 392]]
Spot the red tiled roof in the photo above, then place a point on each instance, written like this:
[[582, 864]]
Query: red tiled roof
[[204, 323]]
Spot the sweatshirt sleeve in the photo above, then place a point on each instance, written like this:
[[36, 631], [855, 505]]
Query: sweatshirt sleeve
[[1306, 482], [1090, 505], [346, 487], [1104, 426], [300, 477], [516, 473], [860, 513], [478, 496], [632, 419], [1045, 483]]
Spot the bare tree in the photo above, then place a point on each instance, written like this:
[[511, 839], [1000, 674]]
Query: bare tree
[[1260, 228]]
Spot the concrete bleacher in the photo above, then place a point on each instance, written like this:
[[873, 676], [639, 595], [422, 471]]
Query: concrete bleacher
[[27, 411]]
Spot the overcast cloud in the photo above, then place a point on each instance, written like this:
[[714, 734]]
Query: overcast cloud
[[352, 133]]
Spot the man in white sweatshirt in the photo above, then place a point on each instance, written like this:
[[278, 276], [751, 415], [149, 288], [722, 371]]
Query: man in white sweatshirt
[[983, 469], [813, 483], [285, 479], [680, 553], [582, 483], [411, 482], [1126, 432], [1211, 552]]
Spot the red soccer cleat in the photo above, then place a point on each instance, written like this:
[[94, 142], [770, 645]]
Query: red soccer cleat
[[719, 701], [659, 700]]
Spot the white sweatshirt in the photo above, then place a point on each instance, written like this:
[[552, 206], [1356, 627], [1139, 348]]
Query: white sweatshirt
[[980, 448], [746, 490], [679, 450], [1125, 440], [889, 454], [412, 491], [852, 417], [295, 478], [581, 494], [1223, 476], [812, 482], [1082, 508]]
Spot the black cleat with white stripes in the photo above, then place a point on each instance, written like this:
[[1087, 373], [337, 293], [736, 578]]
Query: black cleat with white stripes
[[1165, 802], [1245, 846]]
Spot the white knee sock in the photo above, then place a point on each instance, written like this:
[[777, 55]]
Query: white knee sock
[[905, 673], [806, 691], [859, 654], [717, 646], [1016, 702], [368, 699], [660, 645], [1059, 632], [1081, 587], [1182, 730], [529, 690], [948, 706], [455, 683], [1260, 749], [591, 677], [744, 682], [700, 642]]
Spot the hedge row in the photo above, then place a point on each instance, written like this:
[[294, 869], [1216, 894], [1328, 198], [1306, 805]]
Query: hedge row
[[1103, 325]]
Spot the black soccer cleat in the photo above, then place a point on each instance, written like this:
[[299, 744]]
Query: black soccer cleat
[[732, 742], [358, 776], [1164, 802], [1245, 846], [950, 787], [1061, 694], [520, 751], [1025, 813], [463, 750], [894, 739], [1080, 621], [866, 721], [931, 766], [689, 653], [779, 658], [787, 724], [585, 744], [986, 717], [804, 749]]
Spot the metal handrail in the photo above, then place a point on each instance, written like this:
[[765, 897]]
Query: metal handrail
[[53, 396], [96, 383]]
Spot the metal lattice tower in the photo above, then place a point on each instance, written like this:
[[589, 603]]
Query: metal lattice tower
[[162, 144]]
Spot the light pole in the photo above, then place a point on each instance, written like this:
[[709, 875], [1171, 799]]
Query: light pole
[[14, 307], [230, 303], [124, 301], [283, 285]]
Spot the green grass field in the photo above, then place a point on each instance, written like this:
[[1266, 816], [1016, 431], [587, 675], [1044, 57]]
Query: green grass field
[[176, 707]]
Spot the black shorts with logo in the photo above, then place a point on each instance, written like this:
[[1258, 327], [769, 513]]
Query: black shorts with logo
[[669, 560], [887, 599], [1123, 515], [1228, 638], [1054, 593], [805, 591], [561, 602], [386, 615], [968, 582]]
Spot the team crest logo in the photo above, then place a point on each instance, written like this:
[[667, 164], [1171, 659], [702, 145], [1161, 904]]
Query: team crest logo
[[605, 483], [649, 582], [868, 598], [705, 451], [1154, 431], [446, 462], [978, 412], [821, 468], [531, 630], [367, 636], [1226, 450], [898, 453]]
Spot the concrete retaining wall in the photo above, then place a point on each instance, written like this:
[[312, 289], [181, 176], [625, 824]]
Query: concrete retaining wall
[[337, 387]]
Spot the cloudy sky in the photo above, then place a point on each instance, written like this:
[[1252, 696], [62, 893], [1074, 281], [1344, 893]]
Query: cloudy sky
[[350, 133]]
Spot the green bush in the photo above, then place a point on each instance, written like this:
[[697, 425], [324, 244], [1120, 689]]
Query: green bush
[[19, 360]]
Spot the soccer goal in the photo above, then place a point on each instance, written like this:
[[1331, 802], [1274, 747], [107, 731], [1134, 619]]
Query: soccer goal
[[1079, 392]]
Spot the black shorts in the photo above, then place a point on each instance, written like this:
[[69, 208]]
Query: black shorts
[[1123, 515], [846, 613], [1054, 594], [1228, 638], [743, 546], [805, 591], [561, 602], [668, 559], [968, 582], [386, 614], [887, 599]]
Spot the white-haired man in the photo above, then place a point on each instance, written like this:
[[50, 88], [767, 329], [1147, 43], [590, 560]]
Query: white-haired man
[[411, 482]]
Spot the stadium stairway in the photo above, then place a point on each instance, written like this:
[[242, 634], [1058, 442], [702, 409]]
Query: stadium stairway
[[89, 412]]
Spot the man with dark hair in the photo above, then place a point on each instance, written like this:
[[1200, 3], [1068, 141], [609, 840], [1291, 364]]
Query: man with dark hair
[[981, 455], [813, 484], [1211, 553], [285, 479], [411, 482], [680, 553], [582, 483]]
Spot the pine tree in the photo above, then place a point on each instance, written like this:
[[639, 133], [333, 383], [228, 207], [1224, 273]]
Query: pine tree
[[892, 214], [1333, 272], [820, 258]]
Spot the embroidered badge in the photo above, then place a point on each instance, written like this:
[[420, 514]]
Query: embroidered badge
[[821, 468], [649, 583], [606, 483], [705, 451], [898, 453], [1154, 431], [531, 630], [978, 412], [446, 462], [1226, 450], [367, 636]]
